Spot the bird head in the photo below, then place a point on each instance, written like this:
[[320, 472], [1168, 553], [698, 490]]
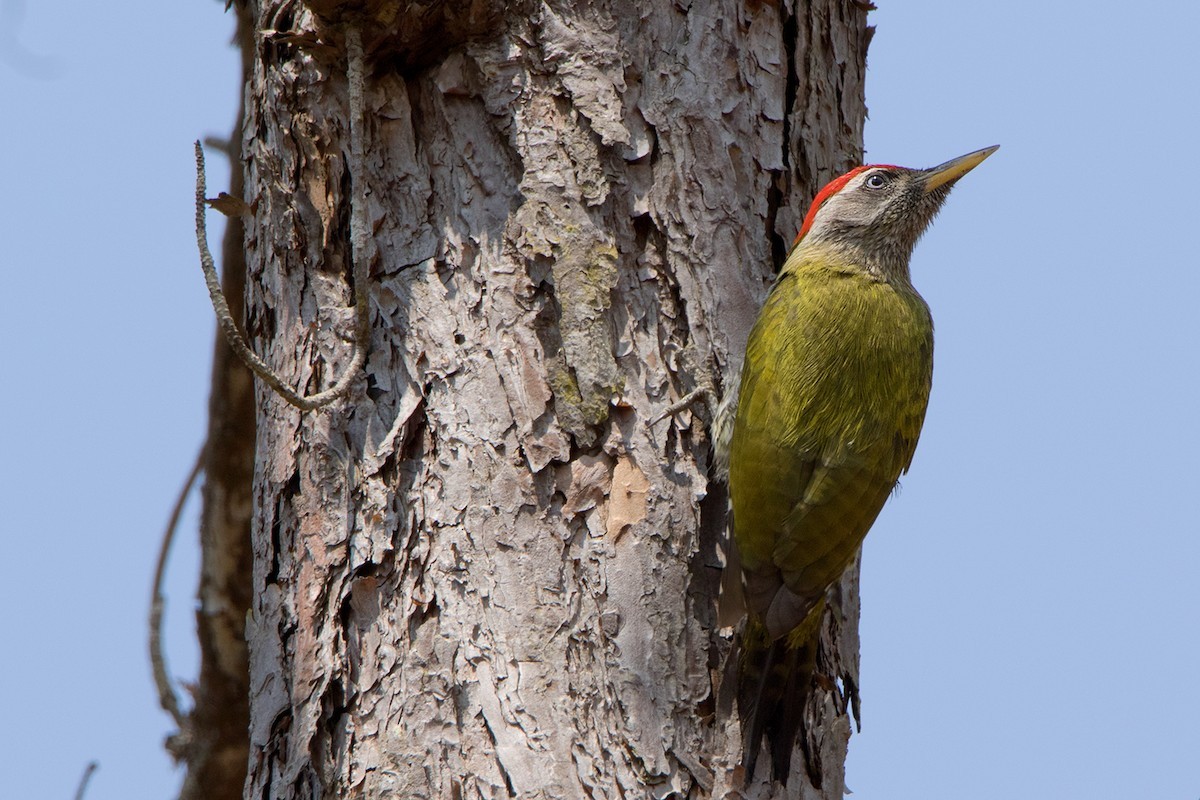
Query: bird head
[[875, 214]]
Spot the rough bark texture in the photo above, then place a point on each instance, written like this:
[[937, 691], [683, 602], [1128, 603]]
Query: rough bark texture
[[487, 573]]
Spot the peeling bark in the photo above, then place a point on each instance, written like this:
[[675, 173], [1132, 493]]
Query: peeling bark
[[485, 574]]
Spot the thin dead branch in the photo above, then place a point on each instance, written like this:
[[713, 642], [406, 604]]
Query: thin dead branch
[[84, 778], [358, 255], [167, 697]]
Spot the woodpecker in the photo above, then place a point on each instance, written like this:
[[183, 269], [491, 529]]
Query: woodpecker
[[833, 392]]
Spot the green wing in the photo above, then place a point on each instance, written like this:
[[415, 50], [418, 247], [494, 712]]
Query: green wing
[[833, 394]]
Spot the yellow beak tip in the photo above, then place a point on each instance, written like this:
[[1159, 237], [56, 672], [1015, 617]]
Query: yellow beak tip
[[955, 168]]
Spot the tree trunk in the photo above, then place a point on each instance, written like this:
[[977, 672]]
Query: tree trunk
[[489, 571]]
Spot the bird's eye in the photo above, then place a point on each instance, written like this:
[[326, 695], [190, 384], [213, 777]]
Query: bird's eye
[[875, 181]]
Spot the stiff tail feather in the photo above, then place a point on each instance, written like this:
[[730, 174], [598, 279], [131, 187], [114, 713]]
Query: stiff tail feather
[[774, 682]]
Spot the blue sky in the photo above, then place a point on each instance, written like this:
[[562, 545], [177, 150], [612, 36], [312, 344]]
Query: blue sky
[[1030, 598]]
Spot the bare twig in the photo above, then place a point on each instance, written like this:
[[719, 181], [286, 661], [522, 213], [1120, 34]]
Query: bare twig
[[167, 698], [358, 189], [83, 779], [703, 393], [358, 255], [700, 773], [219, 143]]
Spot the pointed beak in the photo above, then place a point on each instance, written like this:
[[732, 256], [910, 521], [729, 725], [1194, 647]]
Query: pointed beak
[[955, 168]]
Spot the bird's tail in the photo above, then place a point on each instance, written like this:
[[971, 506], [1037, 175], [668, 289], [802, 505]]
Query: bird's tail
[[774, 682]]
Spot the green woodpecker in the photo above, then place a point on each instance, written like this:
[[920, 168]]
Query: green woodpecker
[[833, 393]]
